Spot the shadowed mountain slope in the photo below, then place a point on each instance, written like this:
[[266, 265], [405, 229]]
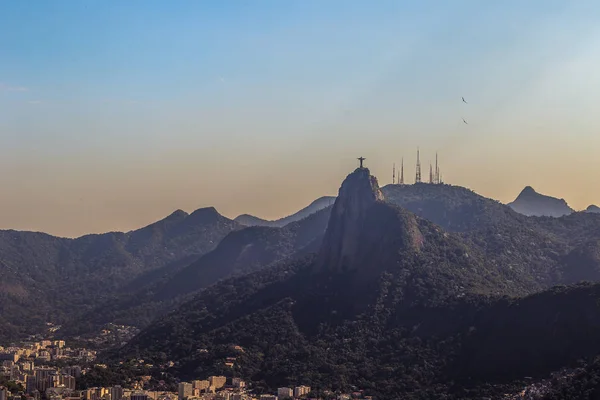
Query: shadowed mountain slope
[[454, 208], [240, 252], [391, 303], [37, 269]]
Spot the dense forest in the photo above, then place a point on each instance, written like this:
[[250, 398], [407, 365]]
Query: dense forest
[[420, 291], [416, 312]]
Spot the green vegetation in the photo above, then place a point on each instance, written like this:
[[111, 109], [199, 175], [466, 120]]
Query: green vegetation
[[463, 309], [467, 347], [45, 278], [424, 313], [240, 252], [12, 386], [583, 384]]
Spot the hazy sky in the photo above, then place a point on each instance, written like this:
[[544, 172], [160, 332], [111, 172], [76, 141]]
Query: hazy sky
[[115, 113]]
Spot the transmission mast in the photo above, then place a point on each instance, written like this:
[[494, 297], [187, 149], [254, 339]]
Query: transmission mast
[[402, 172], [418, 171], [437, 170], [394, 174], [430, 173]]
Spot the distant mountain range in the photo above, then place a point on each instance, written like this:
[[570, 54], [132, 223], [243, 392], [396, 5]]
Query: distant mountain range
[[413, 289], [137, 269], [319, 204], [529, 202], [45, 278], [240, 252], [457, 306]]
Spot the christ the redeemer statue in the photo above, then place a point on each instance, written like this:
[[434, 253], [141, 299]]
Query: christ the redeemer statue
[[361, 159]]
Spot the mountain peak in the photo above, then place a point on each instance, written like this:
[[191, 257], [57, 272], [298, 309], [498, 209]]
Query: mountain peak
[[358, 193], [529, 202], [361, 186], [177, 215], [205, 215], [527, 191]]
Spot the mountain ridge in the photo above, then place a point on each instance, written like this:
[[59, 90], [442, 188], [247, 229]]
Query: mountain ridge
[[316, 205], [33, 265], [284, 311], [239, 252]]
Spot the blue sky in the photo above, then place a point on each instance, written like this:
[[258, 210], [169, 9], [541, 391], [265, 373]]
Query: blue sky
[[262, 106]]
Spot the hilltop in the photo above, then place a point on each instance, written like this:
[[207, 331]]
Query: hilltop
[[455, 208], [593, 209], [529, 202]]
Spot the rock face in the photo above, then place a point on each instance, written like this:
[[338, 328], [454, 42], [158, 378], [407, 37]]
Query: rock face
[[358, 193], [531, 203], [593, 209]]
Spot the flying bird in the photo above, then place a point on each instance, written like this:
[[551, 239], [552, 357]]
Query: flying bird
[[465, 121], [464, 101]]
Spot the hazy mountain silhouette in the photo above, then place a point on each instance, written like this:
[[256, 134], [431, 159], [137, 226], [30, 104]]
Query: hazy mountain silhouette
[[531, 203], [246, 250], [319, 204], [593, 209], [240, 252]]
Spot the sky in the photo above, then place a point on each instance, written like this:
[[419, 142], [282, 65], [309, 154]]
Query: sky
[[115, 113]]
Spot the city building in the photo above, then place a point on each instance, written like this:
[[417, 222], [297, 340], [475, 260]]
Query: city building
[[284, 393], [139, 396], [300, 391], [185, 390], [238, 383], [217, 381], [201, 385], [42, 376], [116, 393]]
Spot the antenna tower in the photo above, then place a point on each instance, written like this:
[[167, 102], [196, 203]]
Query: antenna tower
[[430, 173], [394, 174], [437, 170], [418, 173], [402, 172]]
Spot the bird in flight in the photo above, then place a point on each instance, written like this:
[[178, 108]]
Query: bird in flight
[[465, 121], [464, 101]]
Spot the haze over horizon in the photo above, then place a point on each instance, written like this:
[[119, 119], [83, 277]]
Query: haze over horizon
[[114, 114]]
